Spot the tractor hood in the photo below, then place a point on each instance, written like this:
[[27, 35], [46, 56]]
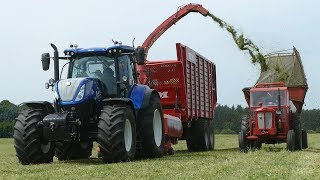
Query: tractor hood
[[77, 90]]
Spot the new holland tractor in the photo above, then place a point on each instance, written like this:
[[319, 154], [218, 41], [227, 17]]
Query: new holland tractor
[[99, 100]]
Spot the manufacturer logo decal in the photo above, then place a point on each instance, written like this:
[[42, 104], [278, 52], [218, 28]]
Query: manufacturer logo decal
[[68, 83], [164, 94]]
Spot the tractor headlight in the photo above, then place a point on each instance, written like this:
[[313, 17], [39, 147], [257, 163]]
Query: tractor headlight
[[268, 120], [260, 117], [56, 96], [80, 94]]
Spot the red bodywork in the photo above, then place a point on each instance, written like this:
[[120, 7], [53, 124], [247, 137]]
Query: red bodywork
[[280, 123], [187, 86]]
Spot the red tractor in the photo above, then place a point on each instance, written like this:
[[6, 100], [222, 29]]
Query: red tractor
[[276, 106]]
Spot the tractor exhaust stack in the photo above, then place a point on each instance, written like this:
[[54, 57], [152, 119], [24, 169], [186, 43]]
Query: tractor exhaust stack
[[56, 62]]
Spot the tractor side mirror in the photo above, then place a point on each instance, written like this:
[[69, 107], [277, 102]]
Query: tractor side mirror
[[140, 55], [45, 59]]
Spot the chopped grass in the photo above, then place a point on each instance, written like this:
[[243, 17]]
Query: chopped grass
[[225, 162], [243, 43]]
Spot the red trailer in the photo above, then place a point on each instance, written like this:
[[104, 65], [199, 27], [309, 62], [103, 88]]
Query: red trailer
[[187, 87]]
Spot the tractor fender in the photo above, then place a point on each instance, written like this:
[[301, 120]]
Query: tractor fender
[[147, 97], [45, 105], [140, 96], [114, 101]]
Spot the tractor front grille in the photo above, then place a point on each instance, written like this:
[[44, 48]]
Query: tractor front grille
[[264, 120]]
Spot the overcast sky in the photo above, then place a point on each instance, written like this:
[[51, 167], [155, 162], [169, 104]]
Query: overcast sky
[[28, 28]]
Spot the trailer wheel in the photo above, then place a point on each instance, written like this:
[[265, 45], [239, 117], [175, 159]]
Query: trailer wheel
[[30, 148], [304, 139], [290, 140], [211, 135], [116, 134], [243, 145], [151, 130], [199, 136], [73, 150], [297, 131]]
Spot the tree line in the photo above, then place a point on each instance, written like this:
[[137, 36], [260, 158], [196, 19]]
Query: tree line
[[227, 119]]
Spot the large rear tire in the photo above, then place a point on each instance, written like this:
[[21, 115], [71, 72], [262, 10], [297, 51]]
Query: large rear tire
[[304, 139], [291, 140], [117, 134], [73, 150], [151, 130], [30, 148]]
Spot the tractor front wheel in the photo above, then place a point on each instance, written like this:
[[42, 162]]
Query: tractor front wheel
[[243, 146], [73, 150], [30, 148], [291, 140], [117, 133], [151, 130]]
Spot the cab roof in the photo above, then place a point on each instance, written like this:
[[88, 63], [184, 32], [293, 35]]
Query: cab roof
[[98, 50]]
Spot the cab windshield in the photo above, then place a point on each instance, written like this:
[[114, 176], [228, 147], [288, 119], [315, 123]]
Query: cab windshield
[[267, 98], [103, 68]]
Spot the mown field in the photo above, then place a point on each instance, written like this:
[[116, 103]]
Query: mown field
[[225, 162]]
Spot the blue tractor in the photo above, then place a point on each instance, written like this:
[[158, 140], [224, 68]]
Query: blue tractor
[[99, 100]]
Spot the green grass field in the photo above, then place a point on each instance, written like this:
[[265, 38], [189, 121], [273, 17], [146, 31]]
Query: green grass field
[[225, 162]]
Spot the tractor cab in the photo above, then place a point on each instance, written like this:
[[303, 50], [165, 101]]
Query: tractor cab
[[268, 97], [268, 105], [114, 68]]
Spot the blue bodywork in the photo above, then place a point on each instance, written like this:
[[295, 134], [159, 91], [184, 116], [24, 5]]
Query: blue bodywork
[[98, 51], [136, 93], [92, 90]]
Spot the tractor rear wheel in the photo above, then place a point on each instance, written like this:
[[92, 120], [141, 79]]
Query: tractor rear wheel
[[116, 134], [304, 139], [151, 130], [30, 148], [291, 140], [73, 150], [243, 144], [297, 131]]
